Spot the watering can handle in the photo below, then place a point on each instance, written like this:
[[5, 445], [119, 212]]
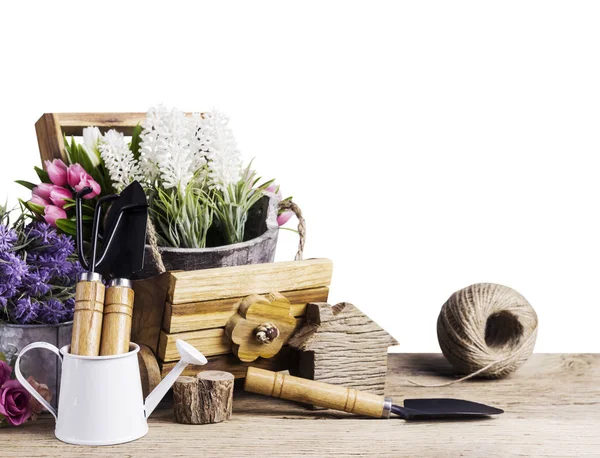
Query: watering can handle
[[26, 384]]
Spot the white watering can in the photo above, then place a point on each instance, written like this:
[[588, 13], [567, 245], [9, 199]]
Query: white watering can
[[101, 400]]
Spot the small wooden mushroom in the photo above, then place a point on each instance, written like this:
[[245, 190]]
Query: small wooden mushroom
[[205, 398]]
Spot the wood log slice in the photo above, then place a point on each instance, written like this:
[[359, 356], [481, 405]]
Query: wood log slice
[[203, 399]]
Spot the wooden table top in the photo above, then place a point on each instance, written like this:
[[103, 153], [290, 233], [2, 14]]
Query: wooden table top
[[552, 408]]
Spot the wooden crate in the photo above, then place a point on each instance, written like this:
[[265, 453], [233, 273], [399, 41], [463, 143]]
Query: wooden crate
[[199, 304], [194, 305]]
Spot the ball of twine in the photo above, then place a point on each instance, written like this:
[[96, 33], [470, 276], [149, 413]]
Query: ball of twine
[[487, 330]]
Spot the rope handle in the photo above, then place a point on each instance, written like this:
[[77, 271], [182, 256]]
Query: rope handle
[[286, 205], [289, 205]]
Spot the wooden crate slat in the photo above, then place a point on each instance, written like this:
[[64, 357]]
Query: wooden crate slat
[[210, 342], [51, 127], [238, 281], [195, 316], [286, 359]]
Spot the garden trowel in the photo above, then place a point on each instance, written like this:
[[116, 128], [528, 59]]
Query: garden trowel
[[285, 386]]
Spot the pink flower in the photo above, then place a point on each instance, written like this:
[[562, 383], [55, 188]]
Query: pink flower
[[89, 182], [39, 200], [58, 196], [74, 174], [41, 388], [273, 188], [52, 213], [57, 171], [5, 371], [43, 190], [284, 218], [14, 402], [78, 179]]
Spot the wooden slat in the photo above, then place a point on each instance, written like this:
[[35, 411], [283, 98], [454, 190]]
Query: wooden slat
[[238, 281], [286, 359], [50, 139], [210, 342], [73, 123], [51, 127], [195, 316]]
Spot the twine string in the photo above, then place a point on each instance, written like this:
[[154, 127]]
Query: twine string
[[291, 206], [522, 348]]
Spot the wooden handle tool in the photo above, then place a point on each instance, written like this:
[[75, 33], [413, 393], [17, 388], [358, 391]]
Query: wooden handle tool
[[118, 309], [284, 386], [87, 317]]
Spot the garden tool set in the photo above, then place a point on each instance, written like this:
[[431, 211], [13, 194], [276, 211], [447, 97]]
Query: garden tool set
[[102, 316]]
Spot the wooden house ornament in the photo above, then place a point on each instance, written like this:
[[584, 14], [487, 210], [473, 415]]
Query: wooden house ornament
[[341, 345]]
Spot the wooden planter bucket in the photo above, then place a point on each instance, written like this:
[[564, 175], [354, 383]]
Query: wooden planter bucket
[[196, 305]]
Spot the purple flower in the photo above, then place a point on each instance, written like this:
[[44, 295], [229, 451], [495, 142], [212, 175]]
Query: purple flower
[[26, 311], [42, 232], [64, 246], [12, 269], [7, 238], [53, 311], [35, 281], [14, 402], [70, 308]]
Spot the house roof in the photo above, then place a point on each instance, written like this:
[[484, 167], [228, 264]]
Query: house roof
[[327, 325]]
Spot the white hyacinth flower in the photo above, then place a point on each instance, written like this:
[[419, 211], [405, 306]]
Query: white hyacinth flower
[[91, 138], [220, 146], [119, 160], [170, 150]]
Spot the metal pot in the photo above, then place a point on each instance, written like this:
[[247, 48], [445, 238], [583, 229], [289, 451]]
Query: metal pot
[[14, 337], [260, 242]]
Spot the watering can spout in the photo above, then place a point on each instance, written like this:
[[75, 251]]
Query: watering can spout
[[188, 355]]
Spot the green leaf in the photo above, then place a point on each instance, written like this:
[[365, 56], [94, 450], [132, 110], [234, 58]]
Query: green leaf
[[27, 184], [42, 174], [2, 357], [136, 141], [35, 208], [67, 226]]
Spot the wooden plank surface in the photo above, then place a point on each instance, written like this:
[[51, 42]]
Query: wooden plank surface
[[552, 409], [194, 316], [239, 281], [210, 342], [286, 359]]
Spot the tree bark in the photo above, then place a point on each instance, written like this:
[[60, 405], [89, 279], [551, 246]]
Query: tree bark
[[205, 398]]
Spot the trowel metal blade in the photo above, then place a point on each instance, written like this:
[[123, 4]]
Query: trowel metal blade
[[440, 407]]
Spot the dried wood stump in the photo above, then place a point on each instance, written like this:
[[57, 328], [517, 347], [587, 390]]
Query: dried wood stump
[[205, 398]]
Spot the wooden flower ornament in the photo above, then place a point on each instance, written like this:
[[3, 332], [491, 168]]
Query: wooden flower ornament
[[260, 327]]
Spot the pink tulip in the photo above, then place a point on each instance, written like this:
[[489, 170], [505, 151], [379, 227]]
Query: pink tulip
[[52, 213], [58, 196], [78, 179], [43, 190], [88, 182], [273, 188], [74, 174], [284, 218], [57, 171], [39, 201]]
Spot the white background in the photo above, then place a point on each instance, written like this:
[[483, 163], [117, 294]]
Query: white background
[[431, 145]]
